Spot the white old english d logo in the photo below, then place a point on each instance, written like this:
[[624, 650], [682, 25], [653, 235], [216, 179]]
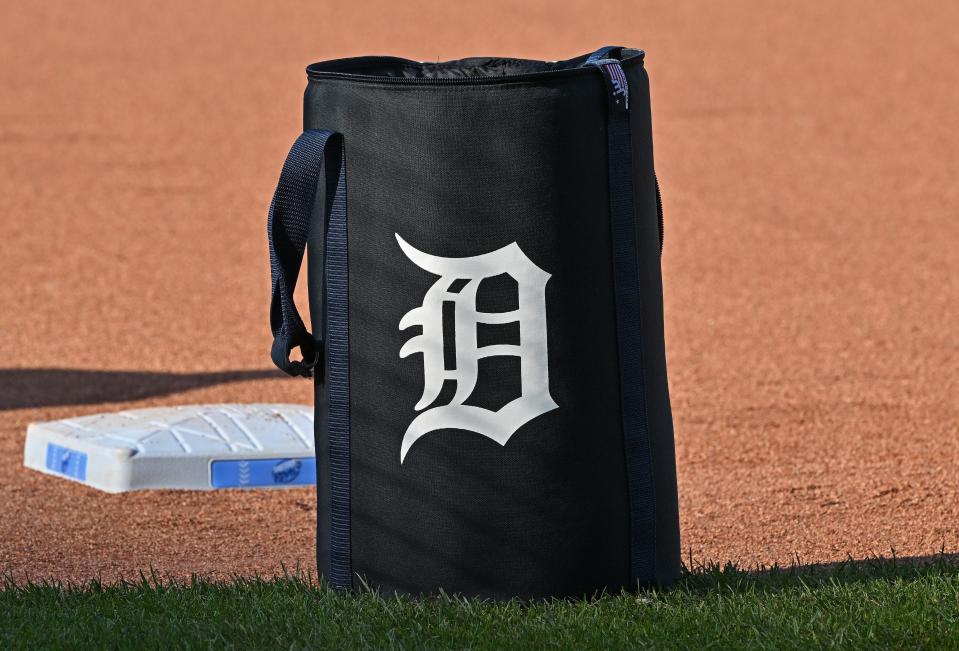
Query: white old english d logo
[[530, 314]]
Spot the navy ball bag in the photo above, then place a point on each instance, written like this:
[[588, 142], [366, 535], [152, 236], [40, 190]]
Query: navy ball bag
[[492, 411]]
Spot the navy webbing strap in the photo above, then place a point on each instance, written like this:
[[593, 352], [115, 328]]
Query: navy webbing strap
[[629, 324], [288, 226], [606, 52]]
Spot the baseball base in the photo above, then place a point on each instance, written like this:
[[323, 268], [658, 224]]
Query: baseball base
[[199, 447]]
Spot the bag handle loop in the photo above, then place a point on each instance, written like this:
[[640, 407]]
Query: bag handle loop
[[288, 226]]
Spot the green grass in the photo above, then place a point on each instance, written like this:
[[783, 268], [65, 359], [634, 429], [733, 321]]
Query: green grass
[[882, 603]]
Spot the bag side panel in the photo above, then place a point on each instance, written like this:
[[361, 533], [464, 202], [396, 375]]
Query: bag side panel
[[456, 172], [659, 414]]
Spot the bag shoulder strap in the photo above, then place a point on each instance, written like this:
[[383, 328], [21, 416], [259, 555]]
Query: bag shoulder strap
[[288, 228], [627, 292]]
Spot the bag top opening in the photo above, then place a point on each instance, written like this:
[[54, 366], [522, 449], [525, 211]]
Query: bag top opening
[[381, 68]]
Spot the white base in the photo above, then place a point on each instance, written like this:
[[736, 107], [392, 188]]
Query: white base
[[197, 447]]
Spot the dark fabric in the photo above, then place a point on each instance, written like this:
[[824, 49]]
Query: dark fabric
[[337, 327], [461, 167], [629, 324], [648, 241], [472, 68], [289, 224]]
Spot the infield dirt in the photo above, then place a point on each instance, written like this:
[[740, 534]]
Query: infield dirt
[[809, 159]]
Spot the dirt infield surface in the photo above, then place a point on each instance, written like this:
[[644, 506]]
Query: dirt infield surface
[[809, 159]]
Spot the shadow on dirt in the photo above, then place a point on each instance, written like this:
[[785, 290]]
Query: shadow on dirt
[[23, 388], [712, 577]]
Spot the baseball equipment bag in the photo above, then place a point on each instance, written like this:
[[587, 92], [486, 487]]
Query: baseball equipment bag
[[483, 237]]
